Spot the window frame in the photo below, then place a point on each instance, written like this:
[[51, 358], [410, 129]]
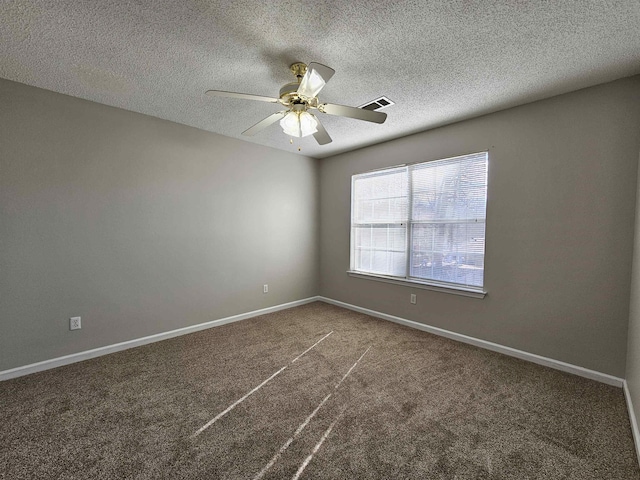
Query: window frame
[[407, 279]]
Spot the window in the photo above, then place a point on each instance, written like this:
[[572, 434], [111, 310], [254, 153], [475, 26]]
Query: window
[[422, 223]]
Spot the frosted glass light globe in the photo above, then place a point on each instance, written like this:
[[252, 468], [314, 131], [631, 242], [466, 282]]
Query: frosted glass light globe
[[299, 124]]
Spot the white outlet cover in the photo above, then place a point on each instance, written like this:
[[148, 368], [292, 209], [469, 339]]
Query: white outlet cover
[[75, 323]]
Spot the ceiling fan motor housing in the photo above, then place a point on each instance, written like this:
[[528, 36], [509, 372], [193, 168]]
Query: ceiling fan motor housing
[[288, 91]]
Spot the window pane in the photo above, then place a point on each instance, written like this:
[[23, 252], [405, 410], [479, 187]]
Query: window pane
[[379, 210], [380, 249], [448, 252], [380, 197], [452, 189]]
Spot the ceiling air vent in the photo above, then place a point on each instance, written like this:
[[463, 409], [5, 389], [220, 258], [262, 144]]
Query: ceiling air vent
[[377, 104]]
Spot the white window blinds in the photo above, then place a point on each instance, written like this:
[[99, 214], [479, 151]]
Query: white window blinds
[[424, 222], [380, 204]]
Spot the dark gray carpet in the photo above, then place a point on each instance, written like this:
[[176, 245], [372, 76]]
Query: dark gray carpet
[[414, 406]]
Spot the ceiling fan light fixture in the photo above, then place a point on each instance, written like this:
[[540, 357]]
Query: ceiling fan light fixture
[[299, 124], [301, 96]]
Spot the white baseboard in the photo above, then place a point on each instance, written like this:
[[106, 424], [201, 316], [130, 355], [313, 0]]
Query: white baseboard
[[632, 417], [531, 357], [97, 352]]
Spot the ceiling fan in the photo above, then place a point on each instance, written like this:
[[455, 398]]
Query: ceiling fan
[[299, 97]]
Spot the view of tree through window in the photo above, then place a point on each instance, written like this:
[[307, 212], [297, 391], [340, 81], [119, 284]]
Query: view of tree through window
[[423, 222]]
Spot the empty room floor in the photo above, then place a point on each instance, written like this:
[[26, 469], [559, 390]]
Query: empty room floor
[[318, 392]]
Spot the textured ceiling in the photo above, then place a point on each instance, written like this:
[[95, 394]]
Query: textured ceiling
[[439, 61]]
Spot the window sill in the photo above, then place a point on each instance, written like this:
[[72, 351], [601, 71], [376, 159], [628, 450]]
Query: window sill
[[436, 287]]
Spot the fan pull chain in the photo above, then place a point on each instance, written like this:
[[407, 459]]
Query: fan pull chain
[[291, 142]]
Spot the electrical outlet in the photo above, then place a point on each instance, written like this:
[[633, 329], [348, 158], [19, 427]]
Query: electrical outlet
[[413, 298], [75, 323], [265, 288]]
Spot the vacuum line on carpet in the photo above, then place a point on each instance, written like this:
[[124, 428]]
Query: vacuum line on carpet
[[312, 346], [354, 366], [291, 439], [317, 447], [236, 403], [239, 401], [302, 426]]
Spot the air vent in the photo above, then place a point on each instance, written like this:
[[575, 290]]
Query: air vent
[[377, 104]]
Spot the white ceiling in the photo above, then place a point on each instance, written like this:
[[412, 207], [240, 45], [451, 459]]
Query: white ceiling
[[439, 61]]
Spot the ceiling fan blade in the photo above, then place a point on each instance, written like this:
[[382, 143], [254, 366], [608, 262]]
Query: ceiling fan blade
[[244, 96], [321, 136], [264, 123], [316, 77], [353, 112]]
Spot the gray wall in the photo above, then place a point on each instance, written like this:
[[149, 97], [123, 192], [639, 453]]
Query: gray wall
[[142, 226], [560, 214], [139, 225], [633, 348]]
